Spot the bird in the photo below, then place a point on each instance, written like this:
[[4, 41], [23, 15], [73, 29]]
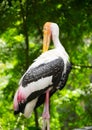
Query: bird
[[47, 74]]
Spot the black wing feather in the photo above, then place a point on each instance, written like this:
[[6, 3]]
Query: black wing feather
[[53, 68], [62, 83]]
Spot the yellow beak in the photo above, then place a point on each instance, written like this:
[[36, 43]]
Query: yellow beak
[[46, 36]]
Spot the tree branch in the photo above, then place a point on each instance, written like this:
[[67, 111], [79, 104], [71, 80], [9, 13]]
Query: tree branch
[[25, 31], [79, 66]]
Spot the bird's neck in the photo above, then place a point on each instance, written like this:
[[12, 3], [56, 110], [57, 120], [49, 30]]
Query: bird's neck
[[58, 45]]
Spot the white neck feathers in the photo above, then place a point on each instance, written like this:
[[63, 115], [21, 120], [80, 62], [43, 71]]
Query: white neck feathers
[[55, 38]]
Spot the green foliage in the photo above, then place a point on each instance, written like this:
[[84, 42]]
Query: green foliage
[[21, 42]]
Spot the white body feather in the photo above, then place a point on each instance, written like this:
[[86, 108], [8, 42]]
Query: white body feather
[[29, 108], [42, 83]]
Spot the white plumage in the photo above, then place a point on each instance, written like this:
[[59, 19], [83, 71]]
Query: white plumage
[[47, 71], [30, 107]]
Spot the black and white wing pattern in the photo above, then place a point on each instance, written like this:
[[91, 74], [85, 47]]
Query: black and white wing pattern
[[36, 81]]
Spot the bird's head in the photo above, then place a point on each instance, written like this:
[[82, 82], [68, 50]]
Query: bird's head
[[49, 30]]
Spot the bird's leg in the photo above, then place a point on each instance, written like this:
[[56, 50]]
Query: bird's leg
[[46, 114]]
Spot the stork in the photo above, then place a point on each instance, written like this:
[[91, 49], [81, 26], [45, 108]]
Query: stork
[[48, 73]]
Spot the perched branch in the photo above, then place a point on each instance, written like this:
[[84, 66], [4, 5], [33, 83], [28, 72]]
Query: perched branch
[[79, 66]]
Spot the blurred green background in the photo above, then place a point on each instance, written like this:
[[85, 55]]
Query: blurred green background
[[21, 23]]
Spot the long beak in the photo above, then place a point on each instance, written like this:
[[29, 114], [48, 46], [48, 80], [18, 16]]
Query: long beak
[[46, 41], [46, 36]]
